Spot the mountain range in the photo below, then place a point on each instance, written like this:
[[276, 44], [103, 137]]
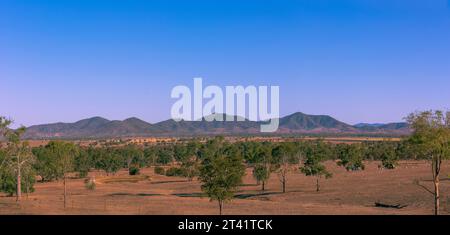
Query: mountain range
[[297, 123]]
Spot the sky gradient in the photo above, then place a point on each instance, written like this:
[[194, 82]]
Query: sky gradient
[[358, 61]]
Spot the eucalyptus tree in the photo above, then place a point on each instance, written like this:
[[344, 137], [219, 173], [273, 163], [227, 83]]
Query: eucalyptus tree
[[263, 164], [64, 153], [19, 157], [431, 140], [221, 170], [312, 166], [284, 155], [16, 160], [350, 156]]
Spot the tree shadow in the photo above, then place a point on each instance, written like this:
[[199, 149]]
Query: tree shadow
[[170, 181], [417, 182], [189, 194], [132, 194], [249, 195], [243, 185]]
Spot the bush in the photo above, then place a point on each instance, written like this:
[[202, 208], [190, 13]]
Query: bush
[[175, 171], [159, 170], [389, 160], [133, 170], [350, 156], [82, 174], [90, 184], [8, 182]]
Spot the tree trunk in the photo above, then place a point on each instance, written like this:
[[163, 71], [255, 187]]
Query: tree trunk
[[317, 185], [436, 172], [284, 184], [436, 195], [19, 183], [65, 191], [220, 207], [263, 186]]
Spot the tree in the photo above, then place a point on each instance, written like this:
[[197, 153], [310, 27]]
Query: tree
[[4, 124], [65, 153], [17, 160], [284, 155], [8, 175], [83, 163], [133, 156], [263, 161], [164, 156], [261, 174], [108, 160], [46, 163], [250, 151], [221, 171], [350, 156], [150, 156], [389, 157], [431, 139], [190, 167], [312, 165], [20, 156]]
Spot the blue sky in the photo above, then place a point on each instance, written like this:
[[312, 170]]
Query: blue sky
[[358, 61]]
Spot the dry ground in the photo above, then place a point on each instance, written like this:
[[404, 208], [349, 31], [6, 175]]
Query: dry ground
[[345, 193]]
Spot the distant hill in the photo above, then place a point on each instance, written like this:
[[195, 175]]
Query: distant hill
[[362, 125], [300, 122], [398, 127], [297, 123]]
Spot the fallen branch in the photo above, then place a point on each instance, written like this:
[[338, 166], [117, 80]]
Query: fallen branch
[[385, 205]]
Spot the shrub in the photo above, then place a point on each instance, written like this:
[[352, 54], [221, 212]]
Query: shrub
[[8, 182], [133, 170], [159, 170], [82, 174], [389, 160], [90, 184], [350, 156], [175, 171]]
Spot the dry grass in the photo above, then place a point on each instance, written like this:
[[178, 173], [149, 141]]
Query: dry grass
[[122, 179], [345, 193]]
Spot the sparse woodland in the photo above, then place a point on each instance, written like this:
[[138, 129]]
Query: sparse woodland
[[218, 164]]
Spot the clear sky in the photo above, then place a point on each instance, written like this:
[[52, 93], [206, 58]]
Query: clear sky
[[358, 61]]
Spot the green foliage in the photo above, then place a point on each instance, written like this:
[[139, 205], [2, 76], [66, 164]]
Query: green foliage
[[8, 181], [314, 155], [106, 159], [250, 151], [159, 170], [221, 171], [16, 162], [8, 178], [389, 158], [431, 136], [83, 163], [175, 171], [312, 167], [46, 164], [164, 156], [150, 156], [350, 156], [111, 162], [56, 159], [133, 170], [431, 140], [190, 167], [261, 173], [132, 155]]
